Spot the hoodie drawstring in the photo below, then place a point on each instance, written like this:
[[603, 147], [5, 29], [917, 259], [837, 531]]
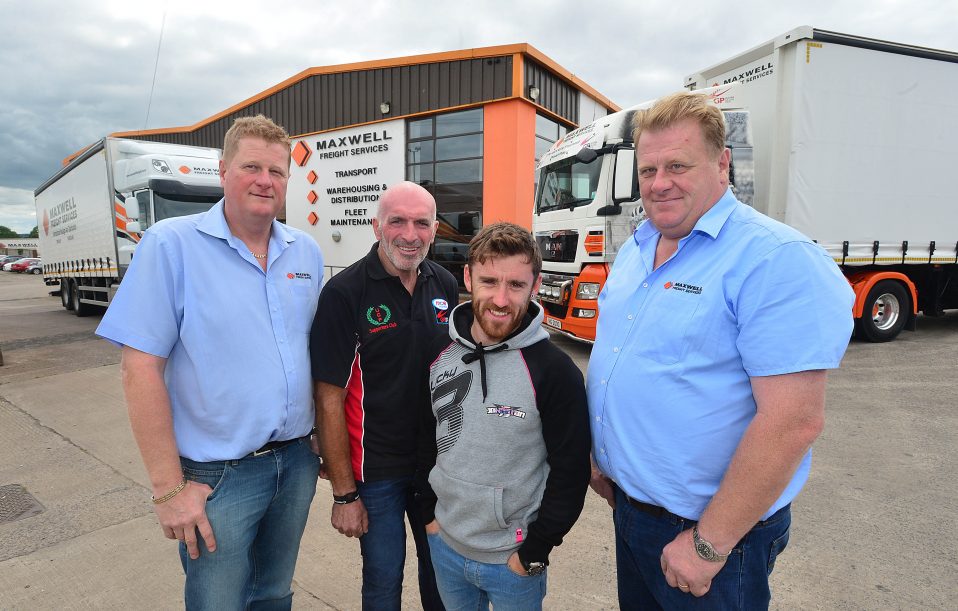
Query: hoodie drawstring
[[479, 352]]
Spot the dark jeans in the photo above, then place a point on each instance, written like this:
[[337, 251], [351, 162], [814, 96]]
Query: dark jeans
[[384, 546], [741, 584]]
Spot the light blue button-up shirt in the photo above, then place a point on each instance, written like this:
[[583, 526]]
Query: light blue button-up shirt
[[235, 337], [668, 381]]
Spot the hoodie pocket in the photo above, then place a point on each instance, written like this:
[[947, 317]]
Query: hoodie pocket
[[470, 513]]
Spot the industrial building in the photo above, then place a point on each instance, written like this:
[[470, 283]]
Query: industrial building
[[468, 125]]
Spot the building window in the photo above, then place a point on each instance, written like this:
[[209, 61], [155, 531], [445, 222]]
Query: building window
[[444, 155]]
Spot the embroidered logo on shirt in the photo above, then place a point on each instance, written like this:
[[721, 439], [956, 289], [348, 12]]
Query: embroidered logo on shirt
[[441, 307], [685, 288], [379, 317], [504, 411], [300, 275]]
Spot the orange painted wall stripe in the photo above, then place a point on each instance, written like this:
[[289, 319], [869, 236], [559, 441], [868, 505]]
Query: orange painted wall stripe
[[509, 151], [518, 72]]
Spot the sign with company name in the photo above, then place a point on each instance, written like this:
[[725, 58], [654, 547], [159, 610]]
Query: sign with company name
[[335, 184], [19, 244]]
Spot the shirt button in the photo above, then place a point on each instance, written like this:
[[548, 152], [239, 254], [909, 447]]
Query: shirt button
[[601, 450], [645, 285], [598, 419], [281, 340], [603, 382], [630, 317], [616, 349]]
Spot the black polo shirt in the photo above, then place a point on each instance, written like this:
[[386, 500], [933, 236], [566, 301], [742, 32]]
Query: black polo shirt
[[369, 337]]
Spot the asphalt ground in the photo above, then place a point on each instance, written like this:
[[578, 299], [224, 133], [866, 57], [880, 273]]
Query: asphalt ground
[[875, 528]]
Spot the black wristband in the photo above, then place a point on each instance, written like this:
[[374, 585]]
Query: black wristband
[[346, 499]]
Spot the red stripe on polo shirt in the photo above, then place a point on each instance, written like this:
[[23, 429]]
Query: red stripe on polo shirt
[[355, 417]]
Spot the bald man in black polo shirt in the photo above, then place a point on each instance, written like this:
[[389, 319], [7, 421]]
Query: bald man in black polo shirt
[[371, 322]]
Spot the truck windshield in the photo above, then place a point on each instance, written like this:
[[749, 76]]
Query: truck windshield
[[567, 184], [169, 206]]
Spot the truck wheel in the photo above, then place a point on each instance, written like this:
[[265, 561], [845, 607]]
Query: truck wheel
[[887, 308], [65, 294], [36, 271], [79, 308]]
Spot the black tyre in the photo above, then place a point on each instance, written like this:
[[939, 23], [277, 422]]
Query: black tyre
[[36, 271], [887, 308], [65, 294], [79, 308]]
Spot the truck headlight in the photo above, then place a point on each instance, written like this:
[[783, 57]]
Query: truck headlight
[[587, 290]]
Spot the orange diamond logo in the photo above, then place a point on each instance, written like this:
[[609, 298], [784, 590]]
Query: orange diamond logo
[[312, 197], [311, 177], [301, 153], [668, 285], [184, 169], [312, 218]]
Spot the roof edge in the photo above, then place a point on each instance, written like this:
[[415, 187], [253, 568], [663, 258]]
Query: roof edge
[[427, 58]]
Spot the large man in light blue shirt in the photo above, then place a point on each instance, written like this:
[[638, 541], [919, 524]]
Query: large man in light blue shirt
[[214, 316], [707, 379]]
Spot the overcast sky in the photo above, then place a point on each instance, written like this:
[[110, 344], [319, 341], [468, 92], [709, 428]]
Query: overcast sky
[[73, 72]]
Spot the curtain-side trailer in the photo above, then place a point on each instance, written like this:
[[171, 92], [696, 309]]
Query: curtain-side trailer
[[91, 213]]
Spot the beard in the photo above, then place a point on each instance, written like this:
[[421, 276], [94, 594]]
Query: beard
[[497, 329]]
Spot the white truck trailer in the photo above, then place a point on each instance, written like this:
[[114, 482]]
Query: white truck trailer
[[850, 140], [91, 213]]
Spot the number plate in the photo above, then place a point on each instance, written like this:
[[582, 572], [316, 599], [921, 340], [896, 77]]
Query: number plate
[[552, 322]]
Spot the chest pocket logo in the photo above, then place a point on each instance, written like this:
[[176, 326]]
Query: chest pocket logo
[[378, 315], [667, 340]]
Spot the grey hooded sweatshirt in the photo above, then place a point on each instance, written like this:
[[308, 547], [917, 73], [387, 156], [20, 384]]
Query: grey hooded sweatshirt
[[508, 466]]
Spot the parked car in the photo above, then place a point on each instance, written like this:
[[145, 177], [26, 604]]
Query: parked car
[[9, 264], [21, 265], [35, 268], [10, 259]]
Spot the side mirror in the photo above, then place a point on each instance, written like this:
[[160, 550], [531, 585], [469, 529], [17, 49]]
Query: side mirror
[[132, 206], [624, 180], [133, 227], [586, 155]]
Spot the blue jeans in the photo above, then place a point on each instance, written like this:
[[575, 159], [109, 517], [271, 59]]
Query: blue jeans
[[384, 545], [741, 584], [468, 584], [258, 511]]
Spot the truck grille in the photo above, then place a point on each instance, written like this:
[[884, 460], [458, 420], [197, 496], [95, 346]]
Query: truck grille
[[558, 246]]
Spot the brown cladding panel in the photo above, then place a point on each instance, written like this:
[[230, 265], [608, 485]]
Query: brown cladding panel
[[332, 101], [554, 93]]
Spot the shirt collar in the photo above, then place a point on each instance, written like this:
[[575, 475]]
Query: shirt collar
[[376, 270], [710, 223], [214, 223]]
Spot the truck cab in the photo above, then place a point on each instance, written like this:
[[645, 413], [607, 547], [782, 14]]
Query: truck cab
[[587, 204], [158, 182], [579, 224]]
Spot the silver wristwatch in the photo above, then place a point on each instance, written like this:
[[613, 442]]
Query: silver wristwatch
[[704, 549], [533, 568]]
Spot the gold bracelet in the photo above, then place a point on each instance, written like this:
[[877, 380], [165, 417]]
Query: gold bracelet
[[170, 494]]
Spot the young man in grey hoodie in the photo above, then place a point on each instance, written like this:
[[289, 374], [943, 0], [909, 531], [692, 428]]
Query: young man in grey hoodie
[[508, 463]]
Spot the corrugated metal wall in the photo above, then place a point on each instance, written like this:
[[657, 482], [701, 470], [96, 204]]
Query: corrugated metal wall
[[330, 101], [554, 93]]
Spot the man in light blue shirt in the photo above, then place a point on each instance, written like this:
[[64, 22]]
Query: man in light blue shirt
[[214, 316], [707, 379]]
